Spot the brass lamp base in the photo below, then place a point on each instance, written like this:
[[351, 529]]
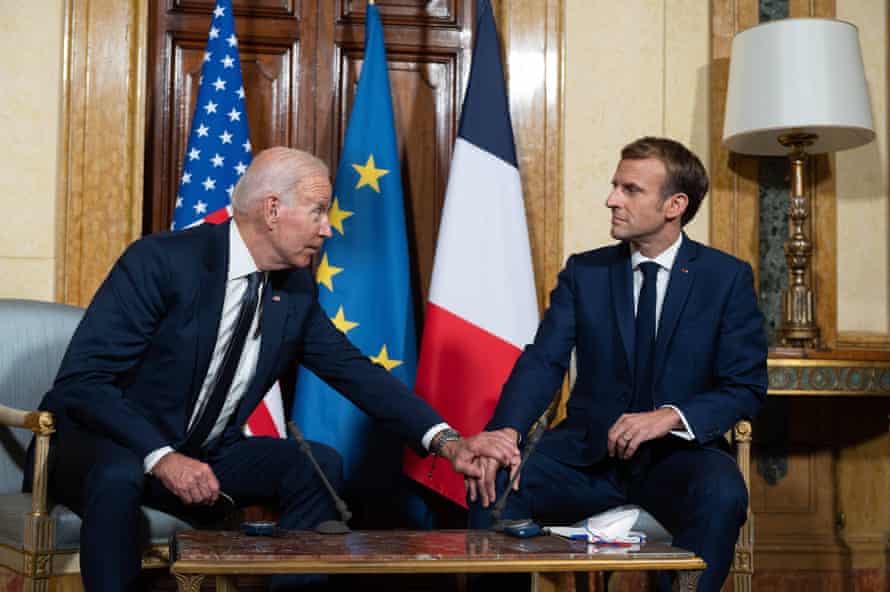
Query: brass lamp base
[[798, 303]]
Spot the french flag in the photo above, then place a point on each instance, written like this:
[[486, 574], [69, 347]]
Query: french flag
[[482, 307]]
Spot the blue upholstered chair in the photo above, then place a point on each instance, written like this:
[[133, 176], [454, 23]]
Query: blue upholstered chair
[[39, 541]]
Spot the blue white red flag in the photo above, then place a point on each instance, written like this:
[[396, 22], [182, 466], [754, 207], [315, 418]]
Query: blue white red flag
[[482, 307]]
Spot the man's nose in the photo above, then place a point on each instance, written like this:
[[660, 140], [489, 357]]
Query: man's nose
[[612, 199], [325, 229]]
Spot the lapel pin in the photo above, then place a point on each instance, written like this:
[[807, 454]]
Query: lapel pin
[[684, 270], [276, 298]]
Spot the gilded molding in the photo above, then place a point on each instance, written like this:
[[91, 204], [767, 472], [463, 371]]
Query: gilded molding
[[803, 377], [743, 562], [741, 432], [188, 583], [40, 422]]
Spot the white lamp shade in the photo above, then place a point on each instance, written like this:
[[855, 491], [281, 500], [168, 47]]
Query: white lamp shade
[[797, 75]]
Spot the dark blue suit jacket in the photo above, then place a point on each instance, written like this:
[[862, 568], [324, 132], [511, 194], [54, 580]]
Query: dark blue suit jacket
[[710, 353], [136, 363]]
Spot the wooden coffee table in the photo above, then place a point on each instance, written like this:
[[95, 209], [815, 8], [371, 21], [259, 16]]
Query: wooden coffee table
[[196, 554]]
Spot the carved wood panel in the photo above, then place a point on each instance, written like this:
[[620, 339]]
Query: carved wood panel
[[418, 12], [278, 85]]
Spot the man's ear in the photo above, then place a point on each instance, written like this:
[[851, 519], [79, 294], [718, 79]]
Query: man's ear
[[675, 205], [271, 207]]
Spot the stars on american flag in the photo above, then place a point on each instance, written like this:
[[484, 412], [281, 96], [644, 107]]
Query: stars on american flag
[[219, 149]]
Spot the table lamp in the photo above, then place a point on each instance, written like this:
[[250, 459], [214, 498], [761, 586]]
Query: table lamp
[[797, 87]]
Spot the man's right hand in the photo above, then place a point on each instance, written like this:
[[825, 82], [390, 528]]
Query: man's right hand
[[191, 480], [484, 487]]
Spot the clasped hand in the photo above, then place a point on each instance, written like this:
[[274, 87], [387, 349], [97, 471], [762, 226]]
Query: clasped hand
[[632, 429], [473, 456], [191, 480], [487, 461]]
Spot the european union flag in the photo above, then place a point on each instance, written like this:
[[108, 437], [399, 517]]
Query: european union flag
[[363, 277]]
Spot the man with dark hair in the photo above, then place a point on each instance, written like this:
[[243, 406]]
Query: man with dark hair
[[670, 351]]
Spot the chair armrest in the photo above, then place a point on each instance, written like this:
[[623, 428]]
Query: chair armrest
[[39, 422], [741, 436], [43, 425]]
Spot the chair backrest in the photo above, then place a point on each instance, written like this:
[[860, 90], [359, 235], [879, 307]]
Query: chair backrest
[[33, 338]]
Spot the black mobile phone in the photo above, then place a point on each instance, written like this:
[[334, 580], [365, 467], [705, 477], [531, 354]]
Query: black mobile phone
[[260, 528], [522, 529]]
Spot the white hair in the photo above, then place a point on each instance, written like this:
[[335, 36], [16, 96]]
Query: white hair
[[275, 171]]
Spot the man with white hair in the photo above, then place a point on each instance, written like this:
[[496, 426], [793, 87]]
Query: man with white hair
[[177, 348]]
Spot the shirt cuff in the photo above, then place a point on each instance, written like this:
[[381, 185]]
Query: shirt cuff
[[152, 458], [431, 433], [687, 433]]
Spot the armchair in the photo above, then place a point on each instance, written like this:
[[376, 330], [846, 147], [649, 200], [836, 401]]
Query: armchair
[[39, 541]]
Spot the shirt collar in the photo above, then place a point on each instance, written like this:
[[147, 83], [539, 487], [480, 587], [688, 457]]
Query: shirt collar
[[241, 263], [665, 260]]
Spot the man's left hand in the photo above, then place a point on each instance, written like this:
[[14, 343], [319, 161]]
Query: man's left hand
[[632, 429], [495, 445]]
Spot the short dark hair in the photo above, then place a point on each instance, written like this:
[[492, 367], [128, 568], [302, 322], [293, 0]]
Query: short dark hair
[[685, 172]]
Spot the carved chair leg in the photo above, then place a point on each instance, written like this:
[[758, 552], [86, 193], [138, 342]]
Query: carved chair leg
[[188, 583], [687, 581], [35, 585]]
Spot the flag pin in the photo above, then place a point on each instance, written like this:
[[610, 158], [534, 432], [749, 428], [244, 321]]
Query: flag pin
[[276, 298], [684, 270]]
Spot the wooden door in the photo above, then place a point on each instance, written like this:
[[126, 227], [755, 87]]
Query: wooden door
[[276, 40]]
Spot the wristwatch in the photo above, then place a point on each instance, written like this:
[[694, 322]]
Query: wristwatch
[[439, 440]]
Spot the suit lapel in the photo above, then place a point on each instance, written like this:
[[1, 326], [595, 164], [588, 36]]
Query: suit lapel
[[621, 279], [681, 279], [211, 293]]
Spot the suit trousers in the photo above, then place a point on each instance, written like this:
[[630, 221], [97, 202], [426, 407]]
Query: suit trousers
[[696, 492], [105, 485]]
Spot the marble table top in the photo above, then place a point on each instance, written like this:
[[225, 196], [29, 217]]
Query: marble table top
[[399, 551]]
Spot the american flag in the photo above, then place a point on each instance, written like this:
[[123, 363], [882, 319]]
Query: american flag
[[217, 154], [219, 147]]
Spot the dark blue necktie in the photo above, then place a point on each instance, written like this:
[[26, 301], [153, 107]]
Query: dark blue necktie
[[644, 339], [205, 422]]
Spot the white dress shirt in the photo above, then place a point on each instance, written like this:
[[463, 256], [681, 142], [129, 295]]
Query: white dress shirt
[[664, 261], [241, 264]]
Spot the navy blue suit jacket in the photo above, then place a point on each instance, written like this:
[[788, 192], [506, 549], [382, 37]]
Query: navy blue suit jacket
[[138, 359], [710, 352]]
